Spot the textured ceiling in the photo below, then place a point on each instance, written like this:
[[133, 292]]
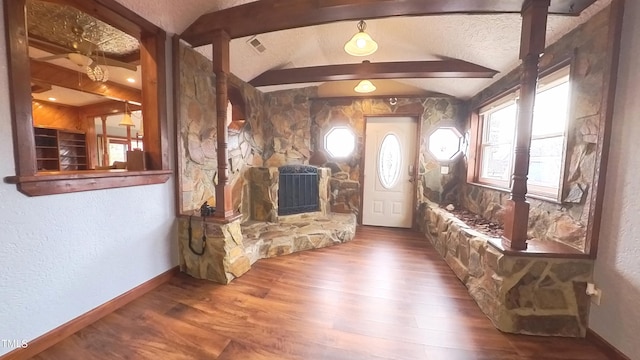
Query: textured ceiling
[[66, 26], [488, 40]]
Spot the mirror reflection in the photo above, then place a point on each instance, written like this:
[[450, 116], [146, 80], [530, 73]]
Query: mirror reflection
[[86, 92]]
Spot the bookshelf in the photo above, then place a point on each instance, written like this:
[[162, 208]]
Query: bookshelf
[[60, 150]]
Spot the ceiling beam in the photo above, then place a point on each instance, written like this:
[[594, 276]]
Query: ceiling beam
[[450, 68], [107, 108], [273, 15], [66, 78]]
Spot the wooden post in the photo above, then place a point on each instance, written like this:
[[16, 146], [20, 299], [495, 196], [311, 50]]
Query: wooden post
[[105, 143], [129, 138], [224, 203], [532, 42]]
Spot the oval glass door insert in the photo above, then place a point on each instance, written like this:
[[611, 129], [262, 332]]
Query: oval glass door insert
[[389, 161]]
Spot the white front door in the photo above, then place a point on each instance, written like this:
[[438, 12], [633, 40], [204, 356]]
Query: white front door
[[390, 152]]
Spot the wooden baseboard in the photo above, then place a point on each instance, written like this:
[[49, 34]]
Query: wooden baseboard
[[611, 352], [58, 334]]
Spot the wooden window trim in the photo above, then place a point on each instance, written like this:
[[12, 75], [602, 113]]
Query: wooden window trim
[[152, 58], [478, 130]]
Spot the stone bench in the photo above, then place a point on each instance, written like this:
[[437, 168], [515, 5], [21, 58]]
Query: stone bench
[[536, 294]]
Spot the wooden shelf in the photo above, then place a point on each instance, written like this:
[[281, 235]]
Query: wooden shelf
[[60, 150]]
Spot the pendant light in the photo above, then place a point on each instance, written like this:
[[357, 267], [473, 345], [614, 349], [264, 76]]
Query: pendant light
[[126, 119], [361, 44], [364, 86]]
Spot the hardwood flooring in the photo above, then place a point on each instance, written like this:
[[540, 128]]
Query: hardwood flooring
[[385, 295]]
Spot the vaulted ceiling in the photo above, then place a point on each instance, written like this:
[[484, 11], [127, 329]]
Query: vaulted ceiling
[[489, 40]]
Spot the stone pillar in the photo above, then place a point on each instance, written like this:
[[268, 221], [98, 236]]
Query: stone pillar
[[224, 256], [224, 203], [532, 42]]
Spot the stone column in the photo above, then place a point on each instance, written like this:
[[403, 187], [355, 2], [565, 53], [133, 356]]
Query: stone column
[[532, 42], [224, 203]]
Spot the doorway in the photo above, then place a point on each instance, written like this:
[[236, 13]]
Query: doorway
[[389, 166]]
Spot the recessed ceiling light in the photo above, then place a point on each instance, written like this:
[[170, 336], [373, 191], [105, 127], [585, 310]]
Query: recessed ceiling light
[[52, 99], [131, 80]]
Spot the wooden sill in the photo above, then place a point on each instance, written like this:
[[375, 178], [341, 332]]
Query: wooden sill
[[540, 197], [211, 219], [62, 182], [539, 248]]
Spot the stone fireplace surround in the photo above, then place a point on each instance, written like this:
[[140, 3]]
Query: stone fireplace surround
[[233, 246]]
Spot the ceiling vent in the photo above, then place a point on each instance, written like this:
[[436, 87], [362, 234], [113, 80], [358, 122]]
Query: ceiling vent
[[256, 45]]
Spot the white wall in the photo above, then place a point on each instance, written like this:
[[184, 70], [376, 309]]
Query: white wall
[[617, 269], [63, 255]]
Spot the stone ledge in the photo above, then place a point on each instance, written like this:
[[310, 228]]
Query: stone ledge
[[231, 248], [527, 295], [296, 233]]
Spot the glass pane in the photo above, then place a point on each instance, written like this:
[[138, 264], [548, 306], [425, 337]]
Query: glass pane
[[117, 152], [340, 142], [496, 162], [546, 161], [389, 161], [501, 125], [550, 111]]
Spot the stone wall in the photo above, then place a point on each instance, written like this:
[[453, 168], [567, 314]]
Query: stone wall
[[288, 128], [565, 222], [346, 182], [197, 146], [525, 295]]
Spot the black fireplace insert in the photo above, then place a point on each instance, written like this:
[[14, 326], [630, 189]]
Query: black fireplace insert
[[298, 189]]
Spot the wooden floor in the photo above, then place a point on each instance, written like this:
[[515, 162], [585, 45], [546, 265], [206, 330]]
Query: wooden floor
[[385, 295]]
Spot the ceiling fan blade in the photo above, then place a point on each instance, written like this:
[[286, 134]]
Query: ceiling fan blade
[[111, 62], [53, 57]]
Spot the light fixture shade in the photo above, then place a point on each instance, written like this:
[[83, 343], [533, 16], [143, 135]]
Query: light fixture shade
[[364, 86], [80, 59], [361, 44], [126, 120], [97, 73]]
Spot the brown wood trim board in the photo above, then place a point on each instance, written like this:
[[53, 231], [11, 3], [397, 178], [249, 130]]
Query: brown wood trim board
[[610, 350], [58, 334]]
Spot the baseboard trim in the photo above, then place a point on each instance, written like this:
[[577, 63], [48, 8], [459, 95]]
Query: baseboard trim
[[58, 334], [611, 352]]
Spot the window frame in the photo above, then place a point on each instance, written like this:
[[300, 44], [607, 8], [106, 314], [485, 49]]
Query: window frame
[[548, 80], [153, 63], [328, 133], [494, 106]]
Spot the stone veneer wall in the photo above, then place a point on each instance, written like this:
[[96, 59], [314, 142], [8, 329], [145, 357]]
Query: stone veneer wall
[[525, 295], [565, 222], [197, 146], [288, 128], [346, 182]]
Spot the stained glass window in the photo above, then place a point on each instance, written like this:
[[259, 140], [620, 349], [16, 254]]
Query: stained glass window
[[389, 161]]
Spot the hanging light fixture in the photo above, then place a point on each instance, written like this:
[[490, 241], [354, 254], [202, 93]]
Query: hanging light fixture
[[364, 86], [126, 119], [361, 44], [95, 72]]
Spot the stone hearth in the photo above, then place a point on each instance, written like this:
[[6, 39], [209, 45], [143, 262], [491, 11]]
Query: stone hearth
[[233, 247], [296, 233]]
